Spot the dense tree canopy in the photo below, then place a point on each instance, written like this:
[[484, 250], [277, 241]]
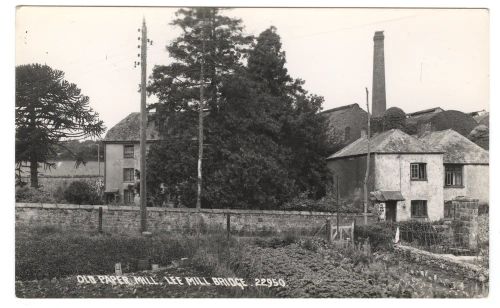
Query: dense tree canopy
[[49, 109], [263, 134]]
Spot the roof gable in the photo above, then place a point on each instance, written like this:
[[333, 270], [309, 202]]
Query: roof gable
[[388, 142], [457, 148]]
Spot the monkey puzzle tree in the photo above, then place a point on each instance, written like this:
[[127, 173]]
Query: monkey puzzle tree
[[49, 109]]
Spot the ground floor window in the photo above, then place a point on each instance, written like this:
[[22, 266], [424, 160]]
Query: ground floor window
[[128, 196], [419, 208], [453, 175]]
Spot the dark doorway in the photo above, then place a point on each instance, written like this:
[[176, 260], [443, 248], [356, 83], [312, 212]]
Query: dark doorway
[[390, 210]]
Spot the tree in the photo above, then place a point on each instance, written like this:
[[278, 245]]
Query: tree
[[300, 128], [262, 133], [209, 40], [49, 109]]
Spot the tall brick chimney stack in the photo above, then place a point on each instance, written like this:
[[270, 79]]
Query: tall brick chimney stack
[[378, 87]]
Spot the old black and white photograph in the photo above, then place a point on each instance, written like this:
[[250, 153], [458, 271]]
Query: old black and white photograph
[[251, 152]]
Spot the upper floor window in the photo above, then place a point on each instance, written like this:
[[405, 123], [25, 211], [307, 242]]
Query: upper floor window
[[453, 175], [418, 171], [419, 208], [128, 174], [347, 133], [128, 151]]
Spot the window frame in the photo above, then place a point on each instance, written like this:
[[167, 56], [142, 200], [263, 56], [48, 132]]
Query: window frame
[[419, 170], [458, 168], [415, 203], [125, 178], [127, 154], [130, 198]]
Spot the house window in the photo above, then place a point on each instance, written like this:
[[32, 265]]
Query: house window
[[418, 171], [128, 151], [128, 196], [347, 134], [419, 208], [128, 174], [453, 175]]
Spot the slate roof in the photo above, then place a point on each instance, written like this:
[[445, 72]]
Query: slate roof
[[388, 142], [425, 111], [386, 195], [128, 130], [457, 148], [337, 109]]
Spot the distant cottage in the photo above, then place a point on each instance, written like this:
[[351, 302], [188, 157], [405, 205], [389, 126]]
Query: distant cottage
[[122, 157]]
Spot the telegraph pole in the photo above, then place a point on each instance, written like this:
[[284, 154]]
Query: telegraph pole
[[144, 119], [365, 184], [200, 113]]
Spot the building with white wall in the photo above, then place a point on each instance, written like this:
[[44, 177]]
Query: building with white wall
[[405, 179], [122, 157]]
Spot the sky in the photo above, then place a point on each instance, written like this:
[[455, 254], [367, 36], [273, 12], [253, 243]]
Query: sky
[[433, 57]]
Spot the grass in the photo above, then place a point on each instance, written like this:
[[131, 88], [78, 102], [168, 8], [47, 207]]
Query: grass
[[47, 252]]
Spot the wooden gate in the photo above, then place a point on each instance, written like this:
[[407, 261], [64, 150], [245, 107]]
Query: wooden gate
[[339, 233]]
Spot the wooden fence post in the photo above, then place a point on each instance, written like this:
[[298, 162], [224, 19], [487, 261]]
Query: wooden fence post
[[228, 225], [328, 231], [352, 229], [100, 219]]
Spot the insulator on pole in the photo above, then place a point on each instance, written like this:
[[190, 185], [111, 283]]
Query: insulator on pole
[[138, 46], [139, 38], [138, 54]]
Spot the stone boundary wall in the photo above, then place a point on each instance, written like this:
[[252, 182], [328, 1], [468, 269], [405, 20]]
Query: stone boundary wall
[[444, 262], [126, 219]]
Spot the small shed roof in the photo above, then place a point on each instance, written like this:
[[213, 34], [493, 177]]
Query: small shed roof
[[457, 148], [128, 130], [386, 195], [388, 142]]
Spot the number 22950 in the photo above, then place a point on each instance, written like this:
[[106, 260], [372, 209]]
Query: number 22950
[[269, 282]]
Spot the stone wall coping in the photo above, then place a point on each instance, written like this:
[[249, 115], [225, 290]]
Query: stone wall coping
[[441, 258], [183, 210]]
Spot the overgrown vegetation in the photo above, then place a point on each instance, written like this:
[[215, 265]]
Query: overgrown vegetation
[[89, 191], [328, 203], [33, 195], [48, 252], [308, 266], [380, 235]]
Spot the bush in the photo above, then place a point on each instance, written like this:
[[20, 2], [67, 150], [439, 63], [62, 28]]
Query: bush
[[32, 195], [380, 235], [309, 244], [275, 242], [394, 117], [80, 192], [326, 204]]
